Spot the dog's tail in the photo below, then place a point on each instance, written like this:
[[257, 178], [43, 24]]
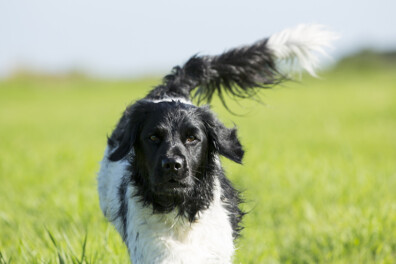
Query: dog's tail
[[240, 71]]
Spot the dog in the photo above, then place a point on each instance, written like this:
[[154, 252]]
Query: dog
[[161, 182]]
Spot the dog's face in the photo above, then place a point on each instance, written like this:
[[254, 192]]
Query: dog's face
[[175, 150], [172, 146]]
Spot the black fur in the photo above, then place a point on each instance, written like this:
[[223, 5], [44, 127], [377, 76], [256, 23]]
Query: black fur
[[150, 132], [238, 72], [123, 210], [231, 198], [220, 140]]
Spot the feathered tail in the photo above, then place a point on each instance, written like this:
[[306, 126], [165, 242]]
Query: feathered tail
[[240, 71]]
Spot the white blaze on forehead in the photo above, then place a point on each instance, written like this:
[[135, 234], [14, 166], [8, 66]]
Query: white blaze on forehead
[[180, 100]]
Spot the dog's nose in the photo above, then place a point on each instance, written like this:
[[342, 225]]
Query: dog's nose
[[172, 164]]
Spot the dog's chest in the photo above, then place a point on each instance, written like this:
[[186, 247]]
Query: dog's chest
[[166, 238]]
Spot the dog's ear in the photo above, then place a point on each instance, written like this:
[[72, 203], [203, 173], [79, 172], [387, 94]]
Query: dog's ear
[[221, 139], [125, 135], [226, 142]]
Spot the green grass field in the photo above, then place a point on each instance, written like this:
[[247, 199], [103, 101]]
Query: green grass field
[[319, 175]]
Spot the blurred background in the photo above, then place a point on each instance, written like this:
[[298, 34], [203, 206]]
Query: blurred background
[[319, 174], [120, 38]]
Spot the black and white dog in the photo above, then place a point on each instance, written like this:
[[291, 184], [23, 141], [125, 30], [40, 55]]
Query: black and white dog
[[161, 182]]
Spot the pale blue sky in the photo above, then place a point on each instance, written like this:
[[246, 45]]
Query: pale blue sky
[[126, 38]]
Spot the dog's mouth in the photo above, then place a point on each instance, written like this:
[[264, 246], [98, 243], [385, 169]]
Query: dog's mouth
[[172, 188], [173, 182]]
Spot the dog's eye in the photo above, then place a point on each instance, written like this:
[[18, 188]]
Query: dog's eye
[[191, 139], [154, 138]]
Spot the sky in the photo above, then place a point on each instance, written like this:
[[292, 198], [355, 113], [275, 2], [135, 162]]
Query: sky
[[128, 38]]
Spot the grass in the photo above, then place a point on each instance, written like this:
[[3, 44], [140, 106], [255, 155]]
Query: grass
[[319, 174]]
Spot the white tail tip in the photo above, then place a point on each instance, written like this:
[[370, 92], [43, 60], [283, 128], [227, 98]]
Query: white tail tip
[[300, 46]]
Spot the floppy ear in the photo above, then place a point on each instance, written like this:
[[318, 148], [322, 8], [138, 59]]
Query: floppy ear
[[125, 135], [226, 142], [222, 139]]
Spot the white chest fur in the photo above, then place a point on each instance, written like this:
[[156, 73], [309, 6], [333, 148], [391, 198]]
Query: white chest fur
[[165, 238]]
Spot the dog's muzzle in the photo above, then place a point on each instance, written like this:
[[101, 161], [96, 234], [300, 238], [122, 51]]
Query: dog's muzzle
[[174, 176]]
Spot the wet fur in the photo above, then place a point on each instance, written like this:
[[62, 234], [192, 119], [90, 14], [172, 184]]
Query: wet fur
[[198, 222]]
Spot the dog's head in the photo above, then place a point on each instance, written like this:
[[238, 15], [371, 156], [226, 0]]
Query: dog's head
[[175, 148]]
